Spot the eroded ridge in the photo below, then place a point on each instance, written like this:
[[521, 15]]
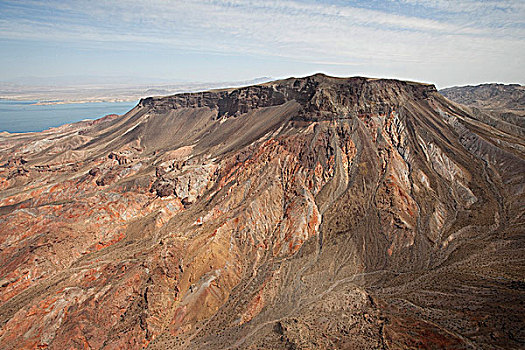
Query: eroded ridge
[[313, 212]]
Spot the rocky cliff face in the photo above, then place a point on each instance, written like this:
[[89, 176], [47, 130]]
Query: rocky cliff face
[[305, 213]]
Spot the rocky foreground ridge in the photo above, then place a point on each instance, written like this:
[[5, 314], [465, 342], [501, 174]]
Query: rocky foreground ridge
[[306, 213]]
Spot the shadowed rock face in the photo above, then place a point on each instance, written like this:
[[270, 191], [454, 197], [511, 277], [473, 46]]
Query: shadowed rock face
[[305, 213]]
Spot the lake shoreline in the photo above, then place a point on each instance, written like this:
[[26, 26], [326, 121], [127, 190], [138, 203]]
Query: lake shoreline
[[17, 116], [64, 102]]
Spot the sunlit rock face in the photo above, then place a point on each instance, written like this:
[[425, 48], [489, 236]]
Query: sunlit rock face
[[305, 213]]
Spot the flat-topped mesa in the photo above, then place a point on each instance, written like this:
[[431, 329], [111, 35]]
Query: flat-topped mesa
[[338, 97], [319, 95], [316, 212]]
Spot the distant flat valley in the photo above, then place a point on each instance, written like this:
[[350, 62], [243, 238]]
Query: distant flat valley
[[27, 116]]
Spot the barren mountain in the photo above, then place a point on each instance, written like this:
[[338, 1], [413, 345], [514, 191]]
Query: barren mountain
[[489, 96], [499, 105], [307, 213]]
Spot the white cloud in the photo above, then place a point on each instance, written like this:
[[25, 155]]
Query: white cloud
[[461, 33]]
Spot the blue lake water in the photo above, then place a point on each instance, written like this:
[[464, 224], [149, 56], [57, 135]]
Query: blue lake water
[[24, 116]]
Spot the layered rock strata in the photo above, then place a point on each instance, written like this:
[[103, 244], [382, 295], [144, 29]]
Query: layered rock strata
[[313, 212]]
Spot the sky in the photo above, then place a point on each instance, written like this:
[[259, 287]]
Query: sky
[[435, 41]]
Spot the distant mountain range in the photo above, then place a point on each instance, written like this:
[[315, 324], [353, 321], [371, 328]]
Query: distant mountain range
[[499, 105], [497, 97], [111, 90]]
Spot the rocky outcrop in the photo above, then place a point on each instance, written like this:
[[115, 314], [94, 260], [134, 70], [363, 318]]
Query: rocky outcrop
[[313, 212], [227, 103]]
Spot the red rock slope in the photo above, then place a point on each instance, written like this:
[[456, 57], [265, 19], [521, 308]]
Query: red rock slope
[[305, 213]]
